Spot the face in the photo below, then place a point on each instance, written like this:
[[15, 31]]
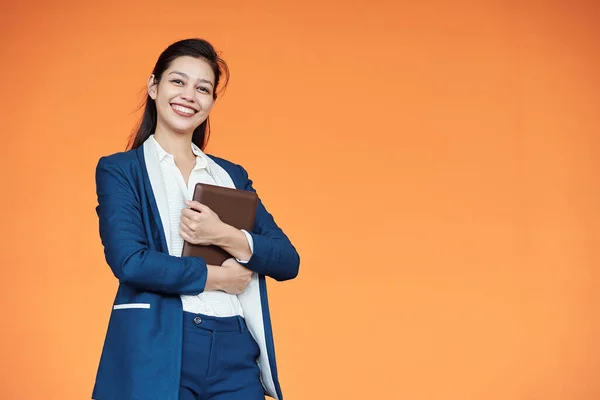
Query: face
[[184, 95]]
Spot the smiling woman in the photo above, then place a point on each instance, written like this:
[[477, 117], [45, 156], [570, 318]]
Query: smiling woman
[[182, 329], [194, 75], [182, 94]]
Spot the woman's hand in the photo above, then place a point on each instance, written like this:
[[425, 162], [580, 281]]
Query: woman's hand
[[236, 277], [200, 225]]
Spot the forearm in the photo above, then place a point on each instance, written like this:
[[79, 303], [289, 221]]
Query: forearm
[[234, 242], [215, 278], [155, 271]]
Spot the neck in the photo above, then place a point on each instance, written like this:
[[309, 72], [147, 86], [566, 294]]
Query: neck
[[177, 144]]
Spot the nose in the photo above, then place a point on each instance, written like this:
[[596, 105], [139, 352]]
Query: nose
[[188, 93]]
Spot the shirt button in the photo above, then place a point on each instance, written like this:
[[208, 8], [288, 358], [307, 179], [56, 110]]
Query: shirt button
[[197, 320]]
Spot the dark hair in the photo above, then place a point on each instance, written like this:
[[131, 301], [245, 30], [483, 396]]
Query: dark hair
[[198, 48]]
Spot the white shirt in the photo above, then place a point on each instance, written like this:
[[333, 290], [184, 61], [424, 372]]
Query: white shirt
[[215, 303]]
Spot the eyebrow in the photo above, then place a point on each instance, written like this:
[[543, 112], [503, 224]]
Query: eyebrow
[[184, 75]]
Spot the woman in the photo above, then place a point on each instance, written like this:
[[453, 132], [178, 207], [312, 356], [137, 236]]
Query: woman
[[181, 329]]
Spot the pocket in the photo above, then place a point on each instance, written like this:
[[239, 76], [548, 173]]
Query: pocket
[[253, 343], [131, 305]]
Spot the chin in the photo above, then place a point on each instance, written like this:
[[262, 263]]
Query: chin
[[183, 128]]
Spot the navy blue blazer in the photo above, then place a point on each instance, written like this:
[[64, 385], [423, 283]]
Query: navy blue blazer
[[141, 356]]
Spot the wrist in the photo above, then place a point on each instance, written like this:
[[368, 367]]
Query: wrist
[[224, 235]]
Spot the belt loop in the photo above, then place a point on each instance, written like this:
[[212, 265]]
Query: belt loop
[[241, 323]]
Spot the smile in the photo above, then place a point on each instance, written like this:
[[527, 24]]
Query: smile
[[184, 111]]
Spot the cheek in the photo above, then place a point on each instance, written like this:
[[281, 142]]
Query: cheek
[[166, 94], [163, 103], [207, 103]]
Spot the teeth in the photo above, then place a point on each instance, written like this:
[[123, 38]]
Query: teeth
[[184, 109]]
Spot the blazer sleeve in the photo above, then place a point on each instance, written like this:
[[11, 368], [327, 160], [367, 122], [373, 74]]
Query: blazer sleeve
[[273, 253], [126, 245]]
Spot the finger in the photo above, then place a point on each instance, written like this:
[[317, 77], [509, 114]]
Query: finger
[[183, 228], [185, 236], [227, 261], [189, 223], [193, 204], [190, 215]]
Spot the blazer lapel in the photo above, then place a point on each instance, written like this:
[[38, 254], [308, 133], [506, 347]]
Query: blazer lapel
[[158, 187]]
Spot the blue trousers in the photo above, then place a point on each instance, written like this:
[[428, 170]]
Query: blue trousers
[[219, 360]]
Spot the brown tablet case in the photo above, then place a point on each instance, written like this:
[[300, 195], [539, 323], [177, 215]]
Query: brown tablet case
[[233, 206]]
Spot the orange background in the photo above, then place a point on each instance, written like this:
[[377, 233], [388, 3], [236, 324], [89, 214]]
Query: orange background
[[435, 164]]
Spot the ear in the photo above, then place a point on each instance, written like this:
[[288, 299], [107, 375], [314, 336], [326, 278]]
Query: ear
[[152, 87]]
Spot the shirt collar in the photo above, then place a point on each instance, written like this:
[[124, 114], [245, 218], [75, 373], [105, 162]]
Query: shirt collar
[[159, 150], [201, 158]]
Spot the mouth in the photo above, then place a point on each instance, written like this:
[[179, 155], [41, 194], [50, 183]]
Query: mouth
[[183, 110]]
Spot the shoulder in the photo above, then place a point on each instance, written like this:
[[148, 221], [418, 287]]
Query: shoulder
[[121, 159], [121, 162]]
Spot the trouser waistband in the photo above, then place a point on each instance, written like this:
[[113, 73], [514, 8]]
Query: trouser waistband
[[215, 324]]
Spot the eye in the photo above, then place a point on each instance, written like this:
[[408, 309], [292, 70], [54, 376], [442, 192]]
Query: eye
[[203, 89], [177, 81]]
